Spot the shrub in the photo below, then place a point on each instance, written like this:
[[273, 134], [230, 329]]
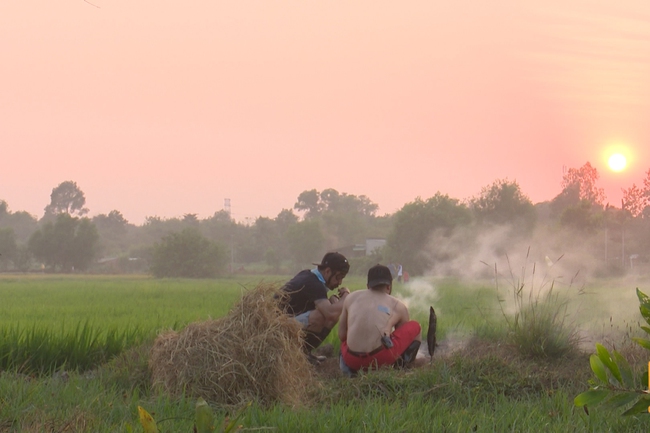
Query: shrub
[[615, 383], [186, 254], [538, 327]]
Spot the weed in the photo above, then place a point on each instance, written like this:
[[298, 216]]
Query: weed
[[538, 327]]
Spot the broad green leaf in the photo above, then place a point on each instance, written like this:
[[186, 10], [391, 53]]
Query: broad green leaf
[[642, 342], [598, 368], [204, 417], [645, 312], [624, 368], [641, 406], [643, 298], [591, 397], [646, 329], [147, 421], [604, 356], [622, 399]]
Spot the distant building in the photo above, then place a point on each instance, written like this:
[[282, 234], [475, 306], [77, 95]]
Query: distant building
[[373, 244], [360, 250]]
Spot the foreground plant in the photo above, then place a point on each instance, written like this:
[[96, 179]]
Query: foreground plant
[[615, 384], [203, 420]]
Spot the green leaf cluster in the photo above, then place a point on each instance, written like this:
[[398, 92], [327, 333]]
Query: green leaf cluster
[[614, 385]]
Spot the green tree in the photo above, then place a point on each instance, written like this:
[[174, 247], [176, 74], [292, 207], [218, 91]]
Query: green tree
[[333, 201], [272, 259], [22, 259], [285, 219], [504, 203], [646, 195], [112, 229], [634, 200], [416, 222], [568, 197], [583, 217], [586, 177], [330, 200], [68, 244], [191, 219], [265, 234], [309, 201], [220, 228], [66, 198], [283, 222], [22, 223], [306, 242], [187, 254], [8, 248], [345, 218]]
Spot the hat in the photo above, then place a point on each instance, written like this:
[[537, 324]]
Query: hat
[[378, 275], [335, 261]]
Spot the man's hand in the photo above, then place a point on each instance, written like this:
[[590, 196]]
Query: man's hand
[[343, 291]]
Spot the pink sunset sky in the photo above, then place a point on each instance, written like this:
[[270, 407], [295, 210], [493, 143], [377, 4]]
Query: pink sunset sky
[[161, 108]]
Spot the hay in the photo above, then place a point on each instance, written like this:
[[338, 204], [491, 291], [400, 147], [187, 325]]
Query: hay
[[254, 353]]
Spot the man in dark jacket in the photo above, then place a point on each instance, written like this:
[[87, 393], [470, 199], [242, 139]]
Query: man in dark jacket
[[307, 301]]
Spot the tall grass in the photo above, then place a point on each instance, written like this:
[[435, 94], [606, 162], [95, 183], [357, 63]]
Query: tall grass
[[49, 323], [539, 325], [483, 390], [43, 350]]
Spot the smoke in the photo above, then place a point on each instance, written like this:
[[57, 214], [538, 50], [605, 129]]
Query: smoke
[[418, 295], [472, 254], [571, 264]]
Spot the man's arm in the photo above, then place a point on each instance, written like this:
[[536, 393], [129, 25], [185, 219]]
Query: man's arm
[[402, 314], [399, 316], [330, 311], [343, 323]]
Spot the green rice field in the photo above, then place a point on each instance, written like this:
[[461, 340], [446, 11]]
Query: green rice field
[[73, 353]]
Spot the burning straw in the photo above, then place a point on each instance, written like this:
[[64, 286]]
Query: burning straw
[[253, 353]]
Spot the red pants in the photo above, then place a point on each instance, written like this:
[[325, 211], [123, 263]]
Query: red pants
[[402, 337]]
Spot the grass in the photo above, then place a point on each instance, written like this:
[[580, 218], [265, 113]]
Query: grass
[[114, 302], [539, 325], [49, 322], [43, 350], [495, 391], [487, 386]]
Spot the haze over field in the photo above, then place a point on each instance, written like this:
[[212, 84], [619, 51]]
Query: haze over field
[[165, 108]]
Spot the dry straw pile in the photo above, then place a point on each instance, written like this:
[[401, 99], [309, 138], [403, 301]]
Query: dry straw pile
[[254, 353]]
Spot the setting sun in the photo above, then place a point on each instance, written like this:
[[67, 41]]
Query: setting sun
[[617, 162]]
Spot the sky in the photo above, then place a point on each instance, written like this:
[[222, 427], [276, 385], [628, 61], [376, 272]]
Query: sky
[[162, 108]]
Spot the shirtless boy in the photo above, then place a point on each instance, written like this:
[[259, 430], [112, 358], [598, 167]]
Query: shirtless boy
[[369, 315]]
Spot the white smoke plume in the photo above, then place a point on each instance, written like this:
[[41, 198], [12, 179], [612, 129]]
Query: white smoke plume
[[569, 263]]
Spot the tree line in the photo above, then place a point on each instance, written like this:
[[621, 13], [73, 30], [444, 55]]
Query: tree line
[[423, 235]]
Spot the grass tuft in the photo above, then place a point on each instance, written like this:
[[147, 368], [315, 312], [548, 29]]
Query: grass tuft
[[539, 326]]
